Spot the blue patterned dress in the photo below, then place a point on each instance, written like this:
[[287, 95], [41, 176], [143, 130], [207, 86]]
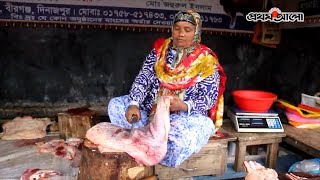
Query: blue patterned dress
[[189, 131]]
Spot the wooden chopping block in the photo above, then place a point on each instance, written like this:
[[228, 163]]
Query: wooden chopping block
[[112, 165], [75, 122]]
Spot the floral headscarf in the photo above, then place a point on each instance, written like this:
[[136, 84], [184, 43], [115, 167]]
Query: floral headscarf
[[193, 18]]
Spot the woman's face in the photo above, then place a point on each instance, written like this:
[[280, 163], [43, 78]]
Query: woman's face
[[183, 34]]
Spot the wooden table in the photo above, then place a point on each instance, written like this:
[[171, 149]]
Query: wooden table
[[306, 140], [272, 141], [210, 160]]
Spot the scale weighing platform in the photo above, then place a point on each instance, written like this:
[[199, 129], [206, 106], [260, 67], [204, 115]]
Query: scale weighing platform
[[255, 122]]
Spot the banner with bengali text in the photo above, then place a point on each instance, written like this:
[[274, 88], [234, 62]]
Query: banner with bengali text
[[141, 13]]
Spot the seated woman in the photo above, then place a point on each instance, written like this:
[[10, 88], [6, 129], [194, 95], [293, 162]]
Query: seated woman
[[188, 71]]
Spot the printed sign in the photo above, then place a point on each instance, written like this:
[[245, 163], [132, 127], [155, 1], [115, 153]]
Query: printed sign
[[157, 13]]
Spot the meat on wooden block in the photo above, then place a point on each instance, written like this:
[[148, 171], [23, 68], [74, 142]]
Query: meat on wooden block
[[75, 122], [111, 165], [25, 128], [147, 144]]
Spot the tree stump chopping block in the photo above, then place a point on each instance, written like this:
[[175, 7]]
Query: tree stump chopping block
[[75, 122], [111, 165]]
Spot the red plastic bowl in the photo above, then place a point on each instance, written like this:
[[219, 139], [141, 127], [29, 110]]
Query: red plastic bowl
[[253, 100]]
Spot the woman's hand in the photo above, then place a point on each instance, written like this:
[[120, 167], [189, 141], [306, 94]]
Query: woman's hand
[[132, 110], [176, 104]]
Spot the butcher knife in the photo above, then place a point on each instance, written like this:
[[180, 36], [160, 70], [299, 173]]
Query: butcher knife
[[134, 119]]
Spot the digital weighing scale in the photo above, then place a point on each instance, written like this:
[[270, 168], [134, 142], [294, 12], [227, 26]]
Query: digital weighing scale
[[255, 122]]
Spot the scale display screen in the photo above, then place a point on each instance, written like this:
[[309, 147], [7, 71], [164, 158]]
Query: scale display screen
[[259, 122], [254, 123]]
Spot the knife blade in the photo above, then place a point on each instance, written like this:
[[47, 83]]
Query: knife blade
[[134, 119]]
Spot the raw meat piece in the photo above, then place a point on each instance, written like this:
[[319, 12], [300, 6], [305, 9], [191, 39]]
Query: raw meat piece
[[25, 128], [302, 176], [74, 142], [39, 174], [66, 149], [147, 145], [255, 171]]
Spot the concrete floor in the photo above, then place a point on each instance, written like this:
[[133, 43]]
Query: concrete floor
[[286, 159]]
